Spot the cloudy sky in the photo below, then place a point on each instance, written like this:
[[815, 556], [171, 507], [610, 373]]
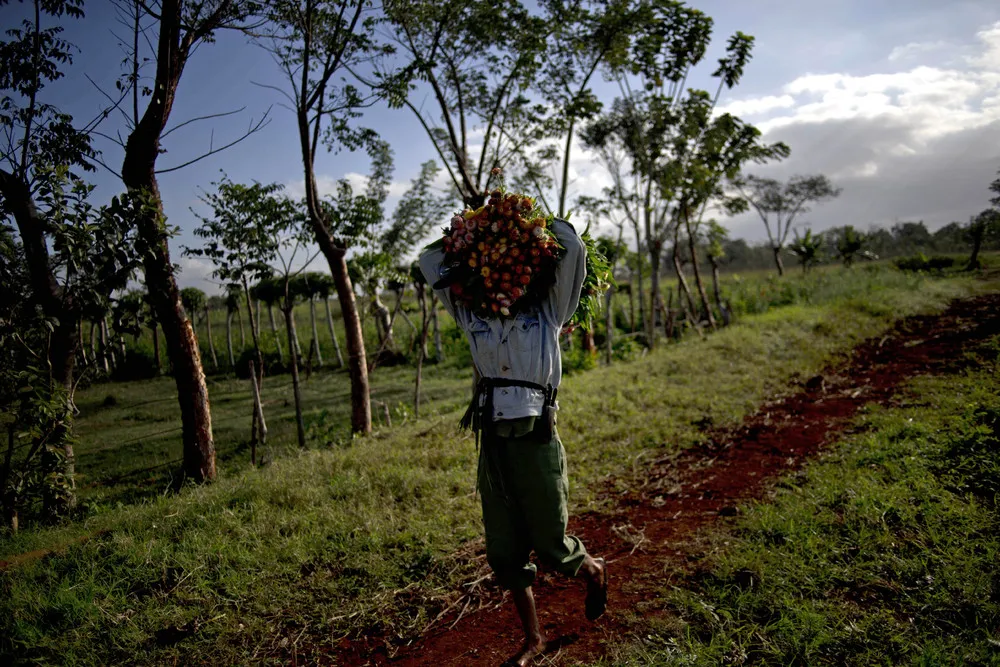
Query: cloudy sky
[[898, 101]]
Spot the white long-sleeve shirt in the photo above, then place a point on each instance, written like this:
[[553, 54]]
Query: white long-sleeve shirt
[[526, 346]]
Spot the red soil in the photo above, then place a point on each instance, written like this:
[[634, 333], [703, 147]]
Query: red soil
[[681, 494]]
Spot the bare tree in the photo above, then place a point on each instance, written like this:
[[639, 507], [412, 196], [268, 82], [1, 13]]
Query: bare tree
[[780, 203]]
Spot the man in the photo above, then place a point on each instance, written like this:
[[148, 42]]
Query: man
[[522, 464]]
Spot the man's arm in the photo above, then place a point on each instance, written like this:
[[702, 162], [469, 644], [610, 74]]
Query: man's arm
[[564, 296], [430, 265]]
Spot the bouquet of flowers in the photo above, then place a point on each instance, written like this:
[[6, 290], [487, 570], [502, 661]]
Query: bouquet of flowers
[[501, 258]]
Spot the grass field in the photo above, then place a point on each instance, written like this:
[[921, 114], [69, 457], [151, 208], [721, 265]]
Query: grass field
[[884, 552], [353, 535]]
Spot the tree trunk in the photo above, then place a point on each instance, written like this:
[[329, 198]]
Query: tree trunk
[[777, 260], [156, 347], [702, 294], [93, 343], [243, 334], [274, 331], [718, 292], [315, 333], [255, 321], [258, 416], [978, 233], [333, 334], [293, 357], [654, 295], [298, 343], [681, 280], [639, 296], [258, 353], [382, 324], [105, 349], [139, 175], [588, 338], [438, 348], [422, 348], [229, 339], [335, 250], [80, 345], [211, 340], [609, 325]]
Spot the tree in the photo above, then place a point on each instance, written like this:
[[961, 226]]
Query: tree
[[716, 238], [293, 287], [312, 42], [850, 243], [384, 243], [584, 36], [782, 203], [712, 149], [474, 60], [234, 292], [806, 248], [193, 300], [242, 238], [182, 26], [41, 148], [315, 285], [984, 225], [657, 137], [980, 228], [267, 292]]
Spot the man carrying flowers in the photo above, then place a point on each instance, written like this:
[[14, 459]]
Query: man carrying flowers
[[512, 279]]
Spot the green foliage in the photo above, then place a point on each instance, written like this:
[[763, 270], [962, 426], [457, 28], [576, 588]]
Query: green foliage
[[193, 300], [577, 360], [139, 364], [807, 249], [38, 135], [850, 244], [596, 282], [246, 230], [273, 364], [476, 59], [921, 262]]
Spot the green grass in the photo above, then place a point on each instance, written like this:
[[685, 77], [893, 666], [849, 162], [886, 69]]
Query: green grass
[[129, 433], [376, 533], [885, 552]]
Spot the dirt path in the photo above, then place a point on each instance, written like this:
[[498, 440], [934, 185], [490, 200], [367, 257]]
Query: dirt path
[[685, 492]]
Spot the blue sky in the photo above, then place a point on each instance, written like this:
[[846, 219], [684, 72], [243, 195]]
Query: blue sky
[[897, 100]]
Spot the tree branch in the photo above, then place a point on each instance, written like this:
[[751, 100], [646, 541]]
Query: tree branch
[[255, 128], [166, 133]]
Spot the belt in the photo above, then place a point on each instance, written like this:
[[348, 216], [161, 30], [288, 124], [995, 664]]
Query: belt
[[480, 410]]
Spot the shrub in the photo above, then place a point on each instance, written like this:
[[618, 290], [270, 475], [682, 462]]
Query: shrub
[[921, 262], [140, 364], [272, 363]]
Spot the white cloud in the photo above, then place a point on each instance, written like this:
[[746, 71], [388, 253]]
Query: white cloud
[[759, 105], [990, 57], [197, 272], [915, 50]]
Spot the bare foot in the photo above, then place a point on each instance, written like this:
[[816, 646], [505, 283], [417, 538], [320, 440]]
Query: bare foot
[[597, 588], [526, 656]]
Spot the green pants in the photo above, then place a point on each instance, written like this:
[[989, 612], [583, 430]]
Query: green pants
[[523, 485]]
